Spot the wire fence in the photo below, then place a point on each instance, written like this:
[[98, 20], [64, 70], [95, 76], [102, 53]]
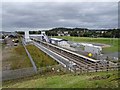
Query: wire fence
[[18, 73], [25, 72]]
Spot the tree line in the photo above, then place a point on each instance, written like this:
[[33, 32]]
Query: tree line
[[84, 32], [79, 32]]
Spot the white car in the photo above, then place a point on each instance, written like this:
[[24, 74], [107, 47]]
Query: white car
[[15, 44], [13, 40]]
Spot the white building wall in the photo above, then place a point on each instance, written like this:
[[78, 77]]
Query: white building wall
[[63, 44], [93, 49]]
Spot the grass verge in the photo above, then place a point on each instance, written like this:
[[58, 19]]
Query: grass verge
[[40, 58], [91, 80]]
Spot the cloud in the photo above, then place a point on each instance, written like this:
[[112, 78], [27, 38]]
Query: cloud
[[60, 1], [62, 14]]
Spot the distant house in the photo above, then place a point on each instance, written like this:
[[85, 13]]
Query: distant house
[[103, 31], [60, 33], [9, 33], [12, 36], [65, 33]]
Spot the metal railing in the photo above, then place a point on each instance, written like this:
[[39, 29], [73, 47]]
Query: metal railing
[[33, 63]]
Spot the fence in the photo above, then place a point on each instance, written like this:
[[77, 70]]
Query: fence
[[18, 73], [33, 63], [54, 68], [25, 72]]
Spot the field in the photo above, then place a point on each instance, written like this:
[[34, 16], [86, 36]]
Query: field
[[110, 41], [89, 80], [40, 58], [15, 58]]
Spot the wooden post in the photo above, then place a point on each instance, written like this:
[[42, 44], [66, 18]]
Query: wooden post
[[107, 65], [88, 68], [79, 69], [107, 58], [96, 67]]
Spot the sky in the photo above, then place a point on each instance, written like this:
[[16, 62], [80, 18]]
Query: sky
[[47, 15]]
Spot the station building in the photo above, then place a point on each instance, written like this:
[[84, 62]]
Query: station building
[[92, 48], [60, 42]]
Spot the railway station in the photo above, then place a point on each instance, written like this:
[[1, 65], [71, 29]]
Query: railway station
[[56, 46]]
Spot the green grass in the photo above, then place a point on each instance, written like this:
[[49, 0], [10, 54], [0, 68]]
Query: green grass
[[110, 41], [40, 58], [16, 57], [90, 80], [22, 57]]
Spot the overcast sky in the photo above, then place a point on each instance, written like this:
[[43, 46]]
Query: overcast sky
[[59, 14]]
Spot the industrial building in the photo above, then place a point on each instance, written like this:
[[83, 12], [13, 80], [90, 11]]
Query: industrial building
[[59, 42], [92, 48]]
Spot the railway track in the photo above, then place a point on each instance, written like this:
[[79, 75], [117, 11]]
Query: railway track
[[81, 63]]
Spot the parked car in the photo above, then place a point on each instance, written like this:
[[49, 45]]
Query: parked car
[[15, 44]]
